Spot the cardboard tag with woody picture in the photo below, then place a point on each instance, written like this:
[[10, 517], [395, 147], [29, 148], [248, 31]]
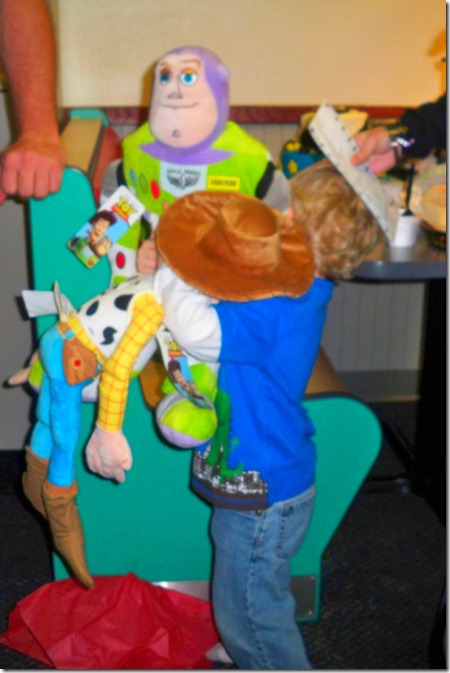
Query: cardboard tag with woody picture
[[106, 227]]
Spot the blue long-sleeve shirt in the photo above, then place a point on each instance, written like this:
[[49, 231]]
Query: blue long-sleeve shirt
[[263, 451]]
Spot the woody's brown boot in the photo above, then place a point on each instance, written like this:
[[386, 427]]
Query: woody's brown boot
[[66, 528], [33, 480]]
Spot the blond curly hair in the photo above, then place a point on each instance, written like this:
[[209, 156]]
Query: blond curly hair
[[340, 227]]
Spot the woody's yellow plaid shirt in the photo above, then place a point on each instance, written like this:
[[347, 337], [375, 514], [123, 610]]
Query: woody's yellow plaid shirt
[[146, 318]]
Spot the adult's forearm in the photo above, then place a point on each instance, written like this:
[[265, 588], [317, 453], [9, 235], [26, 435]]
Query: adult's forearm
[[28, 54]]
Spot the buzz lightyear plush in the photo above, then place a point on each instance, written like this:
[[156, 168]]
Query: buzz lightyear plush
[[188, 143]]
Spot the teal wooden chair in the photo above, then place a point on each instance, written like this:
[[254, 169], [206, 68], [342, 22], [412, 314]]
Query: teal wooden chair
[[153, 525]]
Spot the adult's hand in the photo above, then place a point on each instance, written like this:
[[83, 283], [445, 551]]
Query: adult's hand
[[375, 148], [31, 167]]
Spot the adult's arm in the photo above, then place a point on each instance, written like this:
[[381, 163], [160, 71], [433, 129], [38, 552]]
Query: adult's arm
[[427, 125], [420, 130], [32, 166]]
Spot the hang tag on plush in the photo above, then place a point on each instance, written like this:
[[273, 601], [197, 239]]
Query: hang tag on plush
[[179, 372], [108, 226], [38, 303], [63, 305]]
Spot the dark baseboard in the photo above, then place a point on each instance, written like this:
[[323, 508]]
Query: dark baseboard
[[391, 385]]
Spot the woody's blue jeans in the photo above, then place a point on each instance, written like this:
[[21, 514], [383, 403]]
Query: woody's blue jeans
[[57, 430], [253, 605]]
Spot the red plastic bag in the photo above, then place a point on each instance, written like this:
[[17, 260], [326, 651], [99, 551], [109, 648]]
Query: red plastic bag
[[123, 622]]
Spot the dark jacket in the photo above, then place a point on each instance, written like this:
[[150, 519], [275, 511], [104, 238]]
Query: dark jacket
[[427, 124]]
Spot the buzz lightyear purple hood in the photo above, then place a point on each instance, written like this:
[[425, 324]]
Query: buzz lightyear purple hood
[[217, 76]]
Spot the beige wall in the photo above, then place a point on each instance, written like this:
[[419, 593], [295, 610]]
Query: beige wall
[[367, 52]]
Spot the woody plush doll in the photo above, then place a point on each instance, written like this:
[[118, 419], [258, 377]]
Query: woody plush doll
[[102, 340]]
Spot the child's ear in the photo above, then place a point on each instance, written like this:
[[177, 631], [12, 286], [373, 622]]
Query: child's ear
[[290, 212]]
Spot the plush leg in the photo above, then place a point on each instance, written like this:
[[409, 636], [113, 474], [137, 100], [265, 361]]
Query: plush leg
[[66, 528], [33, 480]]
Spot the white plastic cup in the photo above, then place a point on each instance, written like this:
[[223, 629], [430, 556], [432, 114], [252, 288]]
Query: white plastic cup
[[406, 231]]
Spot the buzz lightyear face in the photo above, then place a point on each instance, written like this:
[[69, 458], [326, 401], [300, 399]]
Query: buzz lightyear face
[[183, 109]]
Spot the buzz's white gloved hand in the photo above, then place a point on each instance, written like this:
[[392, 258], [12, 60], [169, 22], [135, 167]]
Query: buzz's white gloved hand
[[109, 454]]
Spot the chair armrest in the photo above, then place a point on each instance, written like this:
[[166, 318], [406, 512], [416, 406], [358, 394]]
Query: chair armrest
[[324, 378], [81, 139]]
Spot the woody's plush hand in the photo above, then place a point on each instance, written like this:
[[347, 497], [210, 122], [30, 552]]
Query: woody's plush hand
[[109, 454]]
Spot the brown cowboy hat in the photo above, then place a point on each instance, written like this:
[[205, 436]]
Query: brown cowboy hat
[[235, 247]]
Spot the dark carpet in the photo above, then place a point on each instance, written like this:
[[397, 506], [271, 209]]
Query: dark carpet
[[382, 581]]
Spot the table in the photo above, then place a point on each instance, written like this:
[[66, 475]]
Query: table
[[419, 263], [425, 461]]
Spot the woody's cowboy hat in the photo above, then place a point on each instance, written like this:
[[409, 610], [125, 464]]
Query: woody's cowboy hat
[[235, 247]]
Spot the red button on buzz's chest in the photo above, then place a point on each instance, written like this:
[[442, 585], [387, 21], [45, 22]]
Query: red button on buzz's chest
[[155, 190], [120, 260]]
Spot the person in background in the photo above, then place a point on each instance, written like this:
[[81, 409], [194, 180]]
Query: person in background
[[420, 130], [32, 166]]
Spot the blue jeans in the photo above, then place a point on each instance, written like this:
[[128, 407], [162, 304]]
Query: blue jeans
[[56, 433], [253, 605]]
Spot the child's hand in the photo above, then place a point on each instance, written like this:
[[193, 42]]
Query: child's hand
[[147, 257]]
